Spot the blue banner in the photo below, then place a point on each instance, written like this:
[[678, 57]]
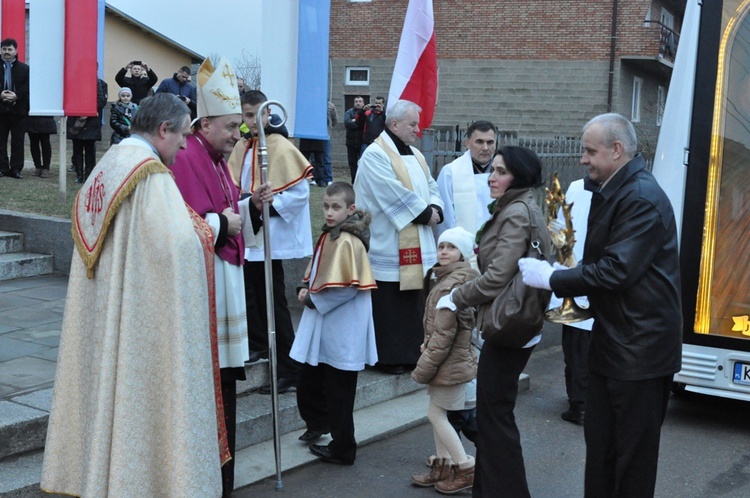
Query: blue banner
[[311, 119]]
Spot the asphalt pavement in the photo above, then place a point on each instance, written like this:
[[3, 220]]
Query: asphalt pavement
[[705, 450]]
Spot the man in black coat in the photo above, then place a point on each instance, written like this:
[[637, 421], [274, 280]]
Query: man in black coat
[[14, 107], [142, 79], [354, 122], [631, 274]]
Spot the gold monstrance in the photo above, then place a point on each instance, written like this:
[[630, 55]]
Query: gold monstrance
[[563, 240]]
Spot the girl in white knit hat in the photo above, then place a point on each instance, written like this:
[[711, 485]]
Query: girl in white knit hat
[[447, 362]]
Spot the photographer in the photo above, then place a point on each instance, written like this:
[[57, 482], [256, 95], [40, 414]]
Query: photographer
[[179, 84], [374, 121], [141, 79]]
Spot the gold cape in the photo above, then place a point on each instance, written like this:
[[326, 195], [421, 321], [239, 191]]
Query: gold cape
[[286, 164], [342, 263]]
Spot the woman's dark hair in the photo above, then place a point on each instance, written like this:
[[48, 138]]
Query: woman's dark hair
[[523, 164]]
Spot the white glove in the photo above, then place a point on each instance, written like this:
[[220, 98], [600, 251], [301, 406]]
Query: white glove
[[535, 272], [446, 302], [559, 266]]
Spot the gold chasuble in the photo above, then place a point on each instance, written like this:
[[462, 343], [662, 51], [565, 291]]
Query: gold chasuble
[[411, 273], [339, 263], [136, 409], [286, 164]]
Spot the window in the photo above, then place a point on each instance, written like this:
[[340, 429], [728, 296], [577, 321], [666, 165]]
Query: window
[[358, 76], [635, 112], [661, 100], [360, 1]]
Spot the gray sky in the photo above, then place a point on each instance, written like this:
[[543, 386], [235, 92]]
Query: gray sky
[[216, 27]]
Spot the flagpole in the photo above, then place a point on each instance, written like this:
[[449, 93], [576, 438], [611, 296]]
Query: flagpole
[[63, 159]]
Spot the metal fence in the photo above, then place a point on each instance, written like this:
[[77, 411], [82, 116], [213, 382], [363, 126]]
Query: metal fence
[[557, 154], [560, 154]]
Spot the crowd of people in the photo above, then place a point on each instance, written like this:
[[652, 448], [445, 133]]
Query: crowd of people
[[406, 277]]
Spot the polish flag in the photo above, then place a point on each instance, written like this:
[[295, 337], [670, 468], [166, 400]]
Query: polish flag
[[415, 76], [13, 15], [63, 40]]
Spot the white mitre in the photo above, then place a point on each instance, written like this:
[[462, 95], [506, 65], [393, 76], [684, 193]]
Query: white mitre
[[217, 89]]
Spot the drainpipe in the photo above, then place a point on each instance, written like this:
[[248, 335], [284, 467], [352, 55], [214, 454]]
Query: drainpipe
[[612, 47]]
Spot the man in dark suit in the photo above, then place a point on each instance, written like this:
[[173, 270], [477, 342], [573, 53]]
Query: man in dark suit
[[14, 107], [631, 274]]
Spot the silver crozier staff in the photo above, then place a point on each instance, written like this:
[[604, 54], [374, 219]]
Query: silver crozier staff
[[263, 158]]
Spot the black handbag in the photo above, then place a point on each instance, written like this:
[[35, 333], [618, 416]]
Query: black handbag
[[516, 314]]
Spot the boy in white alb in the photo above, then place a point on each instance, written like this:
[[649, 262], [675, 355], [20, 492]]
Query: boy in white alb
[[336, 336]]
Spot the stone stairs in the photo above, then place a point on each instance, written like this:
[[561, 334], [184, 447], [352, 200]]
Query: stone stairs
[[14, 263], [23, 425]]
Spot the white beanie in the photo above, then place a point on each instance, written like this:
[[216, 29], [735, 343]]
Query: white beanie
[[461, 238]]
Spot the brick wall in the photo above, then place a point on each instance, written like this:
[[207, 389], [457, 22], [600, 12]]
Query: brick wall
[[478, 29]]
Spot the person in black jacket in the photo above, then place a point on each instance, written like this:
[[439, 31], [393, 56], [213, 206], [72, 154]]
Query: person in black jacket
[[631, 274], [85, 132], [121, 115], [141, 80], [354, 122], [14, 107]]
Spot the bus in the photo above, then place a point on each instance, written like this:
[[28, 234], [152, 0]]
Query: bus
[[702, 162]]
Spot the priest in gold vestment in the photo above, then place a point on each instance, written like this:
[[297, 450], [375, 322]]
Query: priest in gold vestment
[[137, 405]]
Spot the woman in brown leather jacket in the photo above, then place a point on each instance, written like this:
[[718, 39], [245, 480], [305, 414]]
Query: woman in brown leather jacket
[[447, 363], [503, 240]]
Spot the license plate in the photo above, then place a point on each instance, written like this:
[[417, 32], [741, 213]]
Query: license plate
[[741, 373]]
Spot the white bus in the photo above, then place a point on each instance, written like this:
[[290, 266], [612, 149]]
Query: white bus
[[703, 163]]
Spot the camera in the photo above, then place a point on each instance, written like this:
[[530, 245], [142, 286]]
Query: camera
[[137, 63]]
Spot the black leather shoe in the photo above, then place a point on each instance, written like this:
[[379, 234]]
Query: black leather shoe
[[284, 384], [325, 454], [392, 369], [257, 356], [311, 435], [574, 414], [16, 175], [2, 174]]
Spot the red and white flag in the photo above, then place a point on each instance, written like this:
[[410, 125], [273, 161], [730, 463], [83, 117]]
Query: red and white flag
[[63, 56], [415, 76], [13, 14]]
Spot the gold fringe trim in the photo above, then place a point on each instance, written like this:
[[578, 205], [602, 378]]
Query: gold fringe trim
[[148, 167]]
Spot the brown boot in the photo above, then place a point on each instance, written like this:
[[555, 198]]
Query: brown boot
[[459, 480], [439, 470]]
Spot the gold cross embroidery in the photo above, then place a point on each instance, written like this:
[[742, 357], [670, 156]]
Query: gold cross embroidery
[[411, 257], [228, 73]]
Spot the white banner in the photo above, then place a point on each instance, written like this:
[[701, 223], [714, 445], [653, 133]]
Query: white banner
[[46, 57]]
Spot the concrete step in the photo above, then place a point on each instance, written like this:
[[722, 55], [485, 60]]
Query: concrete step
[[23, 422], [10, 242], [24, 264]]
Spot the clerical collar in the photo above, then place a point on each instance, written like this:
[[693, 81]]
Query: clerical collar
[[216, 157], [150, 145], [478, 168], [401, 147]]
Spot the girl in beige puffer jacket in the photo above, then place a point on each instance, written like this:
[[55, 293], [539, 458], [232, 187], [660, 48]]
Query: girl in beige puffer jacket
[[447, 363]]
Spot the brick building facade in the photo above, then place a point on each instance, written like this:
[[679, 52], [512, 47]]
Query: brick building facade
[[535, 67]]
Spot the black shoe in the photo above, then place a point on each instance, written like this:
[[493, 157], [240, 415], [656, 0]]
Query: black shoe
[[311, 435], [392, 369], [2, 174], [575, 414], [325, 454], [79, 179], [256, 356], [15, 174], [284, 384]]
